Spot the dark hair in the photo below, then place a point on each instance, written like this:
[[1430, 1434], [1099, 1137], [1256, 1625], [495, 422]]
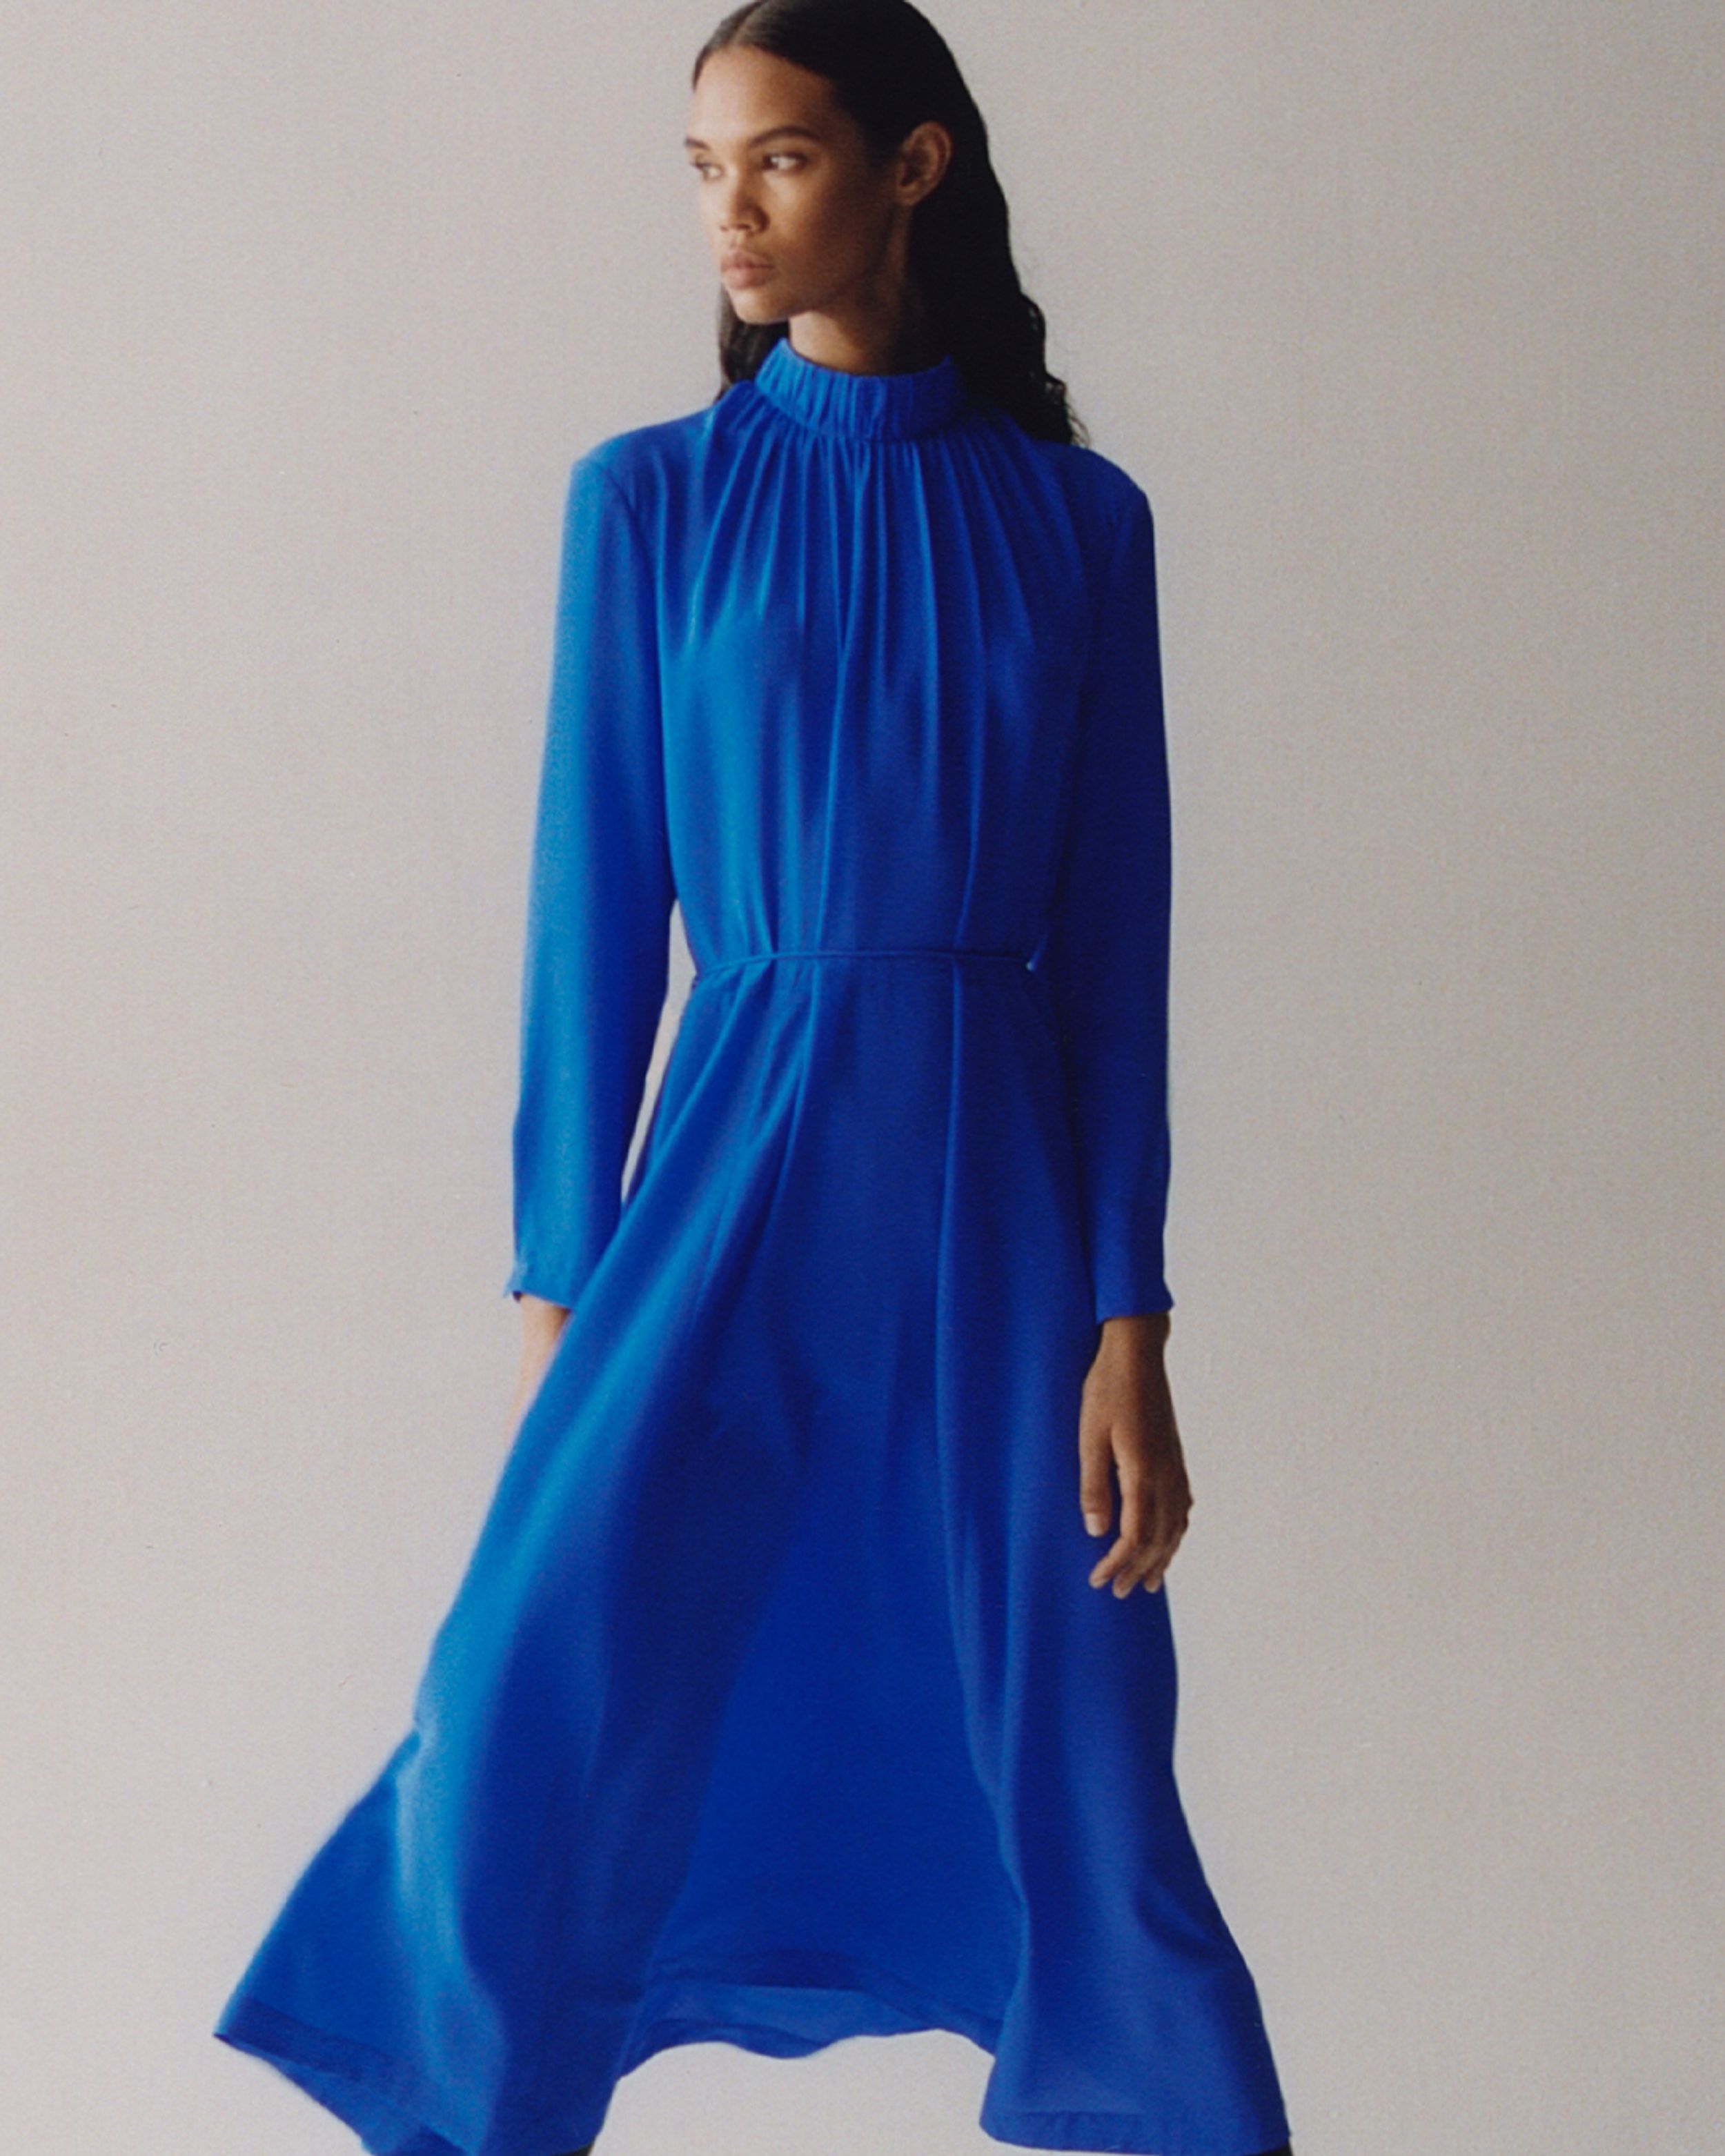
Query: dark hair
[[891, 70]]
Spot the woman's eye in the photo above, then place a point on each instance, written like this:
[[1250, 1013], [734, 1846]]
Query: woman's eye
[[774, 156]]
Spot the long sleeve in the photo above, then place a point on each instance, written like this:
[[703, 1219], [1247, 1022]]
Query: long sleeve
[[599, 899], [1105, 955]]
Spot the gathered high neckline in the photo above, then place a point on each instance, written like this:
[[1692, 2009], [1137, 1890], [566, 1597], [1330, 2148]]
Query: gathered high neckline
[[871, 405]]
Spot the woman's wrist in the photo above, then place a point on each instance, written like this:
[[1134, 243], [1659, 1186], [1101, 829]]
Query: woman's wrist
[[541, 1322], [1141, 1333]]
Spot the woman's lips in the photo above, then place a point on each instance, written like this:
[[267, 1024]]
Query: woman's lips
[[744, 269]]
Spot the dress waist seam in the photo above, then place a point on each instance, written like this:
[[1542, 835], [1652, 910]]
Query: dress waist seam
[[940, 953]]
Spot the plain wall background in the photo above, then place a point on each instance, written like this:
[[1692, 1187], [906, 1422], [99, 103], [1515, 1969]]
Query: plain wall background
[[1409, 319]]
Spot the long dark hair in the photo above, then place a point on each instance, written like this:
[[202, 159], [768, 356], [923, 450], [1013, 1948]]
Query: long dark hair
[[891, 70]]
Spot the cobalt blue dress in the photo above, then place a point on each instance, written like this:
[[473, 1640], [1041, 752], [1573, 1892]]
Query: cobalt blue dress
[[774, 1706]]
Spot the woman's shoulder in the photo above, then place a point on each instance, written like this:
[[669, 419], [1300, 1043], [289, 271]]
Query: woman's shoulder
[[1094, 483], [637, 461], [1095, 498]]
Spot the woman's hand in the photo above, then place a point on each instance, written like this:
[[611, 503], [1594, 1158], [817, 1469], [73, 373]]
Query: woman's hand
[[1126, 1417], [541, 1326]]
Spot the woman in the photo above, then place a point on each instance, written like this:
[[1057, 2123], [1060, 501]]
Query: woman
[[782, 1699]]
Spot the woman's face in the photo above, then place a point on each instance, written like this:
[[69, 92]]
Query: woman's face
[[783, 177]]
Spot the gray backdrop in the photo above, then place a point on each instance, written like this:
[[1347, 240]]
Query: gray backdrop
[[1409, 319]]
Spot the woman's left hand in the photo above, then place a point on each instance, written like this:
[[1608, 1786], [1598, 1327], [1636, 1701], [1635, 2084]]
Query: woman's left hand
[[1126, 1418]]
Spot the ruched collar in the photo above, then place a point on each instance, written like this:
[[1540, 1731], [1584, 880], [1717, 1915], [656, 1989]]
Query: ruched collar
[[877, 405]]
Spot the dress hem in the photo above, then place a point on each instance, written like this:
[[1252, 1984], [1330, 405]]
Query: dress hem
[[396, 2112]]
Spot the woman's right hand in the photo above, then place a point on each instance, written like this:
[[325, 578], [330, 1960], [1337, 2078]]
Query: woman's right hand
[[542, 1326]]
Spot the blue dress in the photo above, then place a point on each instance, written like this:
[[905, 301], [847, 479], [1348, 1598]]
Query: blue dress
[[774, 1706]]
